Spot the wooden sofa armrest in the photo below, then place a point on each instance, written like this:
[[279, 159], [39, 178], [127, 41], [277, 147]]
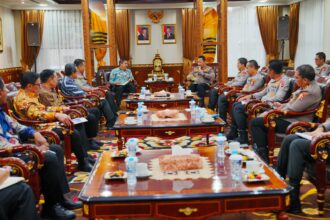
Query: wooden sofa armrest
[[320, 147], [51, 137], [250, 103], [33, 150], [300, 126], [82, 109], [18, 166]]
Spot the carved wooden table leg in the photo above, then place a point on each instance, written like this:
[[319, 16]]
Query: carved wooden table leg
[[207, 139]]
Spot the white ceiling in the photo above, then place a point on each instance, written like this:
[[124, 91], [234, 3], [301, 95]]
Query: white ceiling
[[49, 4]]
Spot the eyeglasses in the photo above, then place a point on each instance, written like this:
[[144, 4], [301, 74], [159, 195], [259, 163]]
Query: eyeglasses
[[37, 84]]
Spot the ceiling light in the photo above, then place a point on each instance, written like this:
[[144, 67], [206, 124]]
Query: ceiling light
[[42, 5], [22, 2]]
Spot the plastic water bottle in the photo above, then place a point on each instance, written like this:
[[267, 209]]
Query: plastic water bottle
[[139, 115], [181, 92], [192, 105], [131, 170], [236, 165], [221, 140], [131, 146], [143, 92]]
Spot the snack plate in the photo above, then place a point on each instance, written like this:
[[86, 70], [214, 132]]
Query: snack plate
[[119, 154], [263, 177], [108, 176]]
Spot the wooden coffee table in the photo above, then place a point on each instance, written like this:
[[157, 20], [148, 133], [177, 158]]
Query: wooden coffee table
[[178, 199], [173, 101], [173, 129]]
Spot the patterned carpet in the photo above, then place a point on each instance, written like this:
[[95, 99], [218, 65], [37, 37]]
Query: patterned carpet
[[308, 191]]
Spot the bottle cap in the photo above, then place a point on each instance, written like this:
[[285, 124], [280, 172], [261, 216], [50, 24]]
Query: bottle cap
[[220, 135], [234, 152]]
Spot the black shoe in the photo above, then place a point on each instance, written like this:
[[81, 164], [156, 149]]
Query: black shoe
[[295, 206], [98, 142], [232, 134], [71, 205], [242, 137], [92, 145], [90, 159], [57, 212], [85, 166]]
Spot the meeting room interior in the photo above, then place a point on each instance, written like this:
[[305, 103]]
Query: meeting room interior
[[165, 109]]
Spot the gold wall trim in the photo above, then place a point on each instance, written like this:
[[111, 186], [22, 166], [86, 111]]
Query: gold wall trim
[[11, 69]]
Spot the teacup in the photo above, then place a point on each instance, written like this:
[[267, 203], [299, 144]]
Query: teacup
[[253, 166], [149, 79], [142, 169], [170, 79], [188, 92], [234, 145]]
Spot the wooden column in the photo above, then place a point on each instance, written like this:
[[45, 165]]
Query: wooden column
[[222, 7], [199, 27], [87, 41], [112, 31]]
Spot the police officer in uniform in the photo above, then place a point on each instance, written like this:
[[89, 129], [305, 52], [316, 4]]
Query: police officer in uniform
[[239, 80], [276, 91], [202, 76], [254, 81], [306, 98], [294, 156], [322, 70]]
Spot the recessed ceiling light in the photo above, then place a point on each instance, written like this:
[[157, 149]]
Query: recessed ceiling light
[[262, 1], [43, 5], [22, 2]]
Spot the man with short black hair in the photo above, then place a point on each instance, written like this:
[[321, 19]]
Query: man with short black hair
[[322, 70], [70, 88], [202, 76], [86, 87], [50, 98], [28, 107], [306, 98], [276, 91], [52, 175], [239, 80], [121, 80]]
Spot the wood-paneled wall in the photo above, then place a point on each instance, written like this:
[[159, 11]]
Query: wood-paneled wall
[[11, 74]]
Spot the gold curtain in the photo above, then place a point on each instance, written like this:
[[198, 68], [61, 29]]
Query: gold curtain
[[267, 18], [122, 34], [293, 31], [189, 46], [29, 53], [99, 36]]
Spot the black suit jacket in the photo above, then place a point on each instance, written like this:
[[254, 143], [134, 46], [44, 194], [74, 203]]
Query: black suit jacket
[[141, 37], [171, 37]]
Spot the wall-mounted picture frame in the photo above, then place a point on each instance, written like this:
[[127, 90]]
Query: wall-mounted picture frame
[[143, 34], [169, 33], [1, 36]]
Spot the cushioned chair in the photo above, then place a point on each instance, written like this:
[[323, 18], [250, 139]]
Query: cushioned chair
[[50, 136], [275, 139], [319, 171]]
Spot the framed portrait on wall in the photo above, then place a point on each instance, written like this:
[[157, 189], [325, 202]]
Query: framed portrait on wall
[[169, 33], [143, 35], [1, 37]]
